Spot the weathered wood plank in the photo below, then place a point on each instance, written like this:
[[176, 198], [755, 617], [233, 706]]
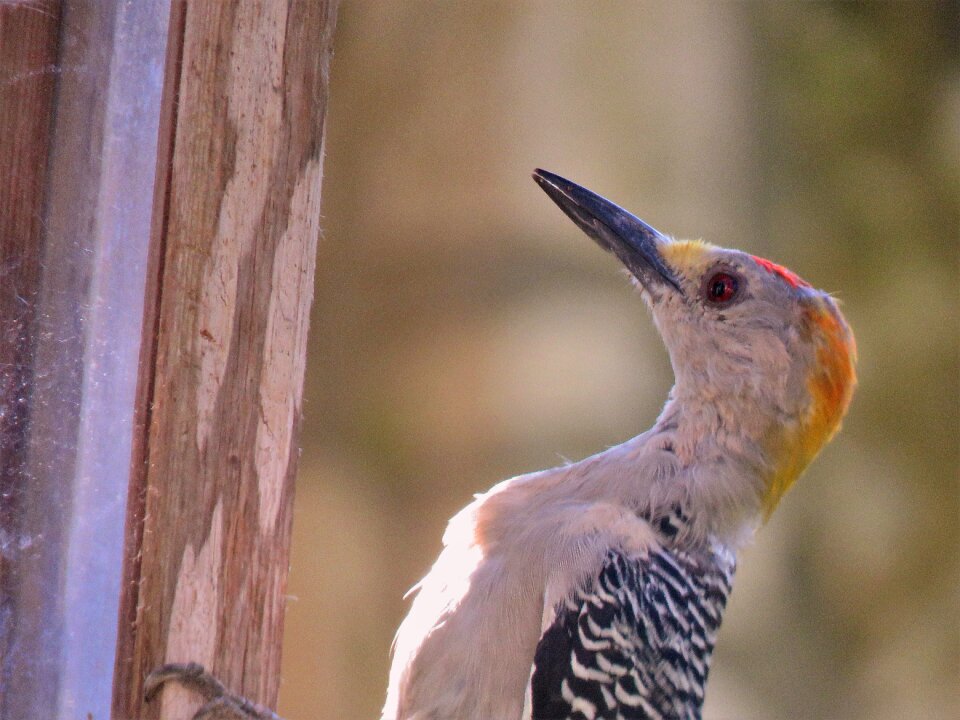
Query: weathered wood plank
[[240, 232], [28, 56]]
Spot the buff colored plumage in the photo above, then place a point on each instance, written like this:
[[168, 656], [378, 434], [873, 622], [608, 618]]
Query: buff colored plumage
[[595, 589]]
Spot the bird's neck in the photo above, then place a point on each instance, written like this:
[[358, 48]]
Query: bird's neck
[[712, 458], [701, 455], [722, 460]]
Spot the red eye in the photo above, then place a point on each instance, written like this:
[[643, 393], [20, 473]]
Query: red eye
[[721, 287]]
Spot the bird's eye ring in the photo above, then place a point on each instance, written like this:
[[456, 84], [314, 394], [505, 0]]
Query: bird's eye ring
[[721, 288]]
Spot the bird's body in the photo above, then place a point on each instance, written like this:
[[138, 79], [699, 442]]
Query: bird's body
[[595, 589], [516, 559]]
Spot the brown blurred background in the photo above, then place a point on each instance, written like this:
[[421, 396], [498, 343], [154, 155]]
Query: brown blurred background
[[465, 331]]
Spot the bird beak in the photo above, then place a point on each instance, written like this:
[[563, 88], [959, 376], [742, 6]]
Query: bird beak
[[613, 228]]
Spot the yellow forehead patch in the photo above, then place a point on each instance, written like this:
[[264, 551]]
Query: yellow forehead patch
[[685, 255]]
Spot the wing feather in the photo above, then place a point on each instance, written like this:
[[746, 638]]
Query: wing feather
[[636, 642]]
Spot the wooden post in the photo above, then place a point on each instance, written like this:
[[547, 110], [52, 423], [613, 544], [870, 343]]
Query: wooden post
[[238, 219], [28, 52], [158, 224]]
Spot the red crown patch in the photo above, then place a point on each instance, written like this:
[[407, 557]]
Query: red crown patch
[[788, 275]]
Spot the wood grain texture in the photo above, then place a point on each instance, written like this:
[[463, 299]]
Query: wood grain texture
[[28, 73], [239, 237], [28, 56]]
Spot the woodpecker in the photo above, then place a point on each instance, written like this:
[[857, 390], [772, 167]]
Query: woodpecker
[[596, 589]]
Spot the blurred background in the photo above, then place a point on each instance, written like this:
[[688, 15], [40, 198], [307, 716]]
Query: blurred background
[[465, 331]]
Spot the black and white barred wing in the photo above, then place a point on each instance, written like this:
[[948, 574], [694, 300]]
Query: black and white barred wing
[[637, 643]]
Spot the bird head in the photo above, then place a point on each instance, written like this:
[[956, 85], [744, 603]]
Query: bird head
[[768, 357]]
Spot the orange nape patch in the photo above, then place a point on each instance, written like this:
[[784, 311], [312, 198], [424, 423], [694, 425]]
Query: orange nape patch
[[788, 275], [831, 384]]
